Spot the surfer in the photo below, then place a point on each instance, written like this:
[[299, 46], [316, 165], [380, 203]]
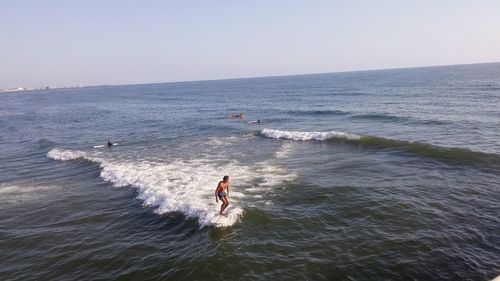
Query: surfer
[[255, 122], [222, 193], [110, 144], [239, 116]]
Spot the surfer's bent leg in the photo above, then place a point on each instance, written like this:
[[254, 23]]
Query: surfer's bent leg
[[225, 203]]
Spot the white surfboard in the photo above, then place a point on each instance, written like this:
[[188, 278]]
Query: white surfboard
[[104, 145], [220, 220]]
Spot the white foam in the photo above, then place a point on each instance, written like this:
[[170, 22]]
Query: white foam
[[285, 150], [305, 136], [222, 141], [13, 193], [275, 174], [63, 155], [180, 185]]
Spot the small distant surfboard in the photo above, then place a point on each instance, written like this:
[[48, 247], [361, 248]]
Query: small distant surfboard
[[104, 145]]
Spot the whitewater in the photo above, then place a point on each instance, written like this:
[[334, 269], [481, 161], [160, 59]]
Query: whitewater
[[180, 185]]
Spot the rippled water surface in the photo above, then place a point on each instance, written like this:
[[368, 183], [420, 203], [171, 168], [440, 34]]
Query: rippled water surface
[[376, 175]]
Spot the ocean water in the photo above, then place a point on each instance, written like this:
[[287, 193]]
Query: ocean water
[[374, 175]]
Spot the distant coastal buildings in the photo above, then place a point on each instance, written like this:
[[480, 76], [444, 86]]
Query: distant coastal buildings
[[22, 89]]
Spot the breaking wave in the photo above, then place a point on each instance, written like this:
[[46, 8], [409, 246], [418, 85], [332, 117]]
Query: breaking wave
[[445, 154], [180, 185], [305, 136]]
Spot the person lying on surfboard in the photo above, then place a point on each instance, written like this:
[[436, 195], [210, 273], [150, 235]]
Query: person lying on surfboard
[[255, 122], [222, 193], [238, 116]]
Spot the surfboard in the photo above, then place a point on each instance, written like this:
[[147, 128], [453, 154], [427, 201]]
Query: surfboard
[[220, 220], [104, 145]]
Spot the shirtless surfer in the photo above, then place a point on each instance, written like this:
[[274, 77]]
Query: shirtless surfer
[[222, 193]]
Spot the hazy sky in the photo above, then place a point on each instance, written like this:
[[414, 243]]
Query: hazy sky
[[65, 43]]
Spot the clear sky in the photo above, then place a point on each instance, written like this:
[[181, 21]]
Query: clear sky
[[70, 42]]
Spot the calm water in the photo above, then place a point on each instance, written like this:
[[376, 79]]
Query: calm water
[[377, 175]]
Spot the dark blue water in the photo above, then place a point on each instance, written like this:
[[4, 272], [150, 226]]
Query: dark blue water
[[375, 175]]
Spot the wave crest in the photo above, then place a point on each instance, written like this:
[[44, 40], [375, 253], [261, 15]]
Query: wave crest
[[451, 155], [64, 155], [306, 136]]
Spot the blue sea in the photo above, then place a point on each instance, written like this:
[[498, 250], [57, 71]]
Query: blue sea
[[371, 175]]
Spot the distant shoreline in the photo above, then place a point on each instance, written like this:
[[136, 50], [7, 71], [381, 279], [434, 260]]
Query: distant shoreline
[[22, 89], [25, 89]]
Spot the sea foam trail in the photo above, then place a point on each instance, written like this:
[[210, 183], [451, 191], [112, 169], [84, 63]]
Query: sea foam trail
[[179, 185], [19, 192]]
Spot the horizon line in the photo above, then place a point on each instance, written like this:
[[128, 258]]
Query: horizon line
[[250, 77], [286, 75]]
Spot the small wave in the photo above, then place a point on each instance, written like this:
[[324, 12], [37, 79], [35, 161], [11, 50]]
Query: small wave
[[347, 93], [452, 155], [45, 144], [306, 136], [317, 112], [433, 122], [461, 156], [489, 87], [382, 117]]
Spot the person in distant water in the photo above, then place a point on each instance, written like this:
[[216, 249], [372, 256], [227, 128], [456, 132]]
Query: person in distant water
[[255, 122], [222, 193], [110, 144], [240, 116]]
